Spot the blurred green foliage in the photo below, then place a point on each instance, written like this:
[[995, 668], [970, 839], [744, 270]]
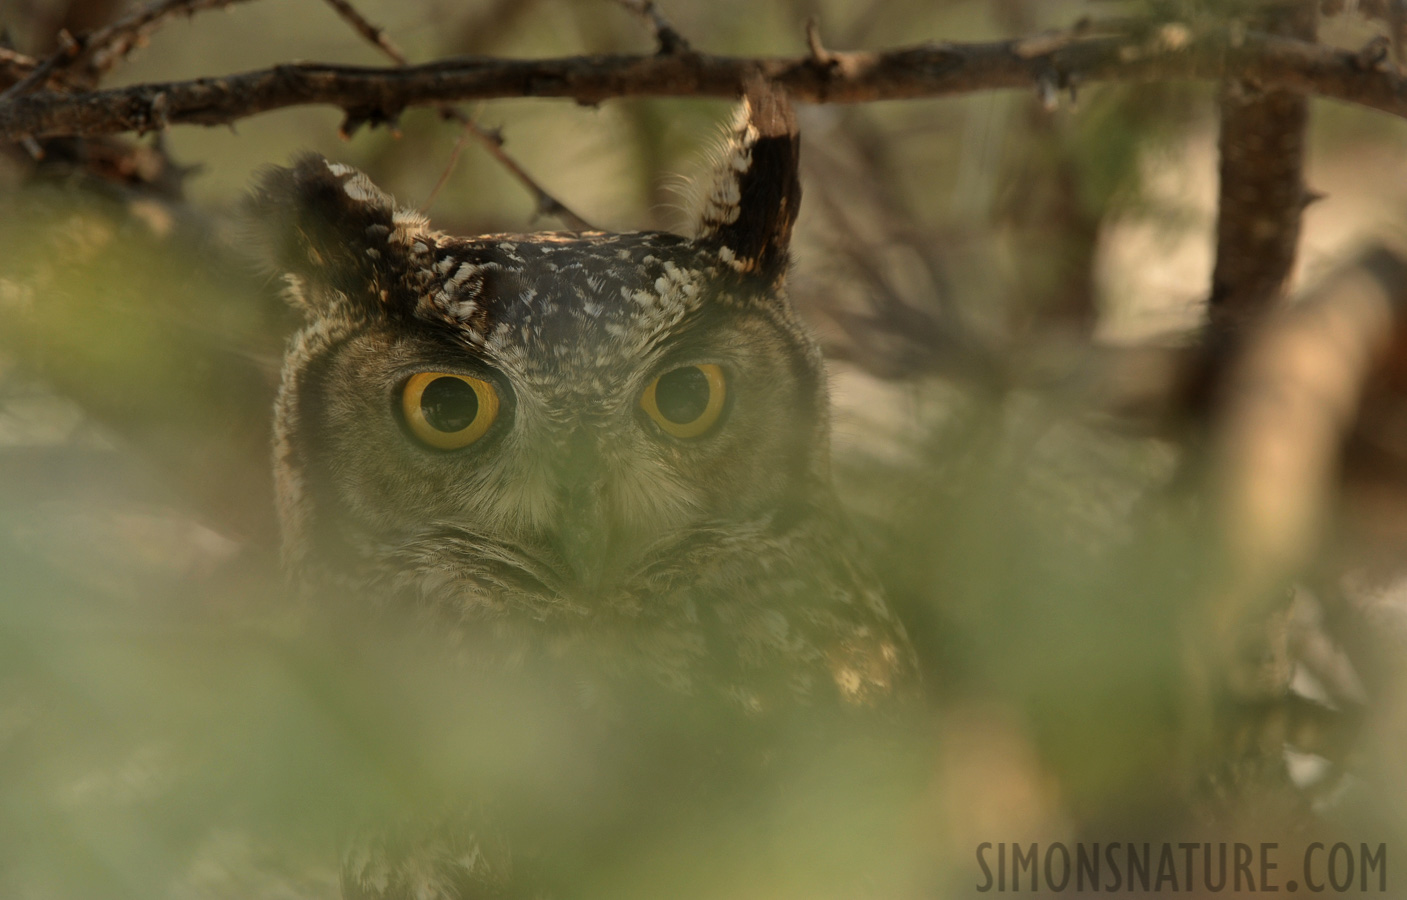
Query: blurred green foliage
[[173, 721]]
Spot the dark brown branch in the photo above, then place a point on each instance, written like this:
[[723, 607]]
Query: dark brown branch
[[936, 70], [1262, 191], [492, 140]]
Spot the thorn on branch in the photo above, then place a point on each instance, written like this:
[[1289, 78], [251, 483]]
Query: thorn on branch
[[14, 66], [819, 54], [369, 116], [68, 44], [69, 50], [492, 136], [1048, 93], [1371, 56], [155, 117], [670, 41]]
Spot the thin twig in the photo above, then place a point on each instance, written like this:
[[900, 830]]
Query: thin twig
[[372, 33], [932, 70], [62, 58], [669, 40], [15, 66], [546, 203], [491, 140], [455, 152], [101, 49]]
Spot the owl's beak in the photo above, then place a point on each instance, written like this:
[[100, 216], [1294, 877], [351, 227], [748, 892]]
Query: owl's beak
[[584, 532], [584, 537]]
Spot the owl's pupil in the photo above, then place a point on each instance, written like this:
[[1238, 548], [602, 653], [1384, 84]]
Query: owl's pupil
[[682, 395], [449, 404]]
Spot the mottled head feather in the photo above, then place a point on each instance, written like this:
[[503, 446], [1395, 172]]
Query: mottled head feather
[[339, 239], [757, 190]]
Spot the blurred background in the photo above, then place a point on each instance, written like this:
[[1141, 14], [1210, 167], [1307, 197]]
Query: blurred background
[[1010, 289]]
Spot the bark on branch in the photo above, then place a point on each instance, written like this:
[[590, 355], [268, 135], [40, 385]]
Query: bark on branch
[[380, 94], [1262, 190]]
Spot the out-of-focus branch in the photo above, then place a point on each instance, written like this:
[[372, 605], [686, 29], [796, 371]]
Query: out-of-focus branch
[[492, 140], [374, 34], [88, 56], [1051, 215], [934, 70], [15, 66], [1262, 190], [547, 204]]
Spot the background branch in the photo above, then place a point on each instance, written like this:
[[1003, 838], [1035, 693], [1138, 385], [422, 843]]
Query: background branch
[[379, 95], [95, 53], [15, 66], [1260, 205], [1262, 192], [491, 140]]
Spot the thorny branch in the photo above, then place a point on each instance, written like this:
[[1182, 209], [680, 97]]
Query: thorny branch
[[491, 140], [1262, 192], [930, 70], [15, 66], [93, 54]]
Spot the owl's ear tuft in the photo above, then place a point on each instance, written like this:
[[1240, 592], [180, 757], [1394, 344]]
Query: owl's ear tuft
[[337, 238], [756, 190]]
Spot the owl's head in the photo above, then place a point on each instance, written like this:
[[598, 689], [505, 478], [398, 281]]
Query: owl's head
[[554, 407]]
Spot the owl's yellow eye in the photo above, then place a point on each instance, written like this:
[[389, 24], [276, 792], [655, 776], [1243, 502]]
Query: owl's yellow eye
[[448, 411], [686, 402]]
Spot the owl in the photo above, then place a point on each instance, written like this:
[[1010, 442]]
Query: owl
[[613, 442]]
